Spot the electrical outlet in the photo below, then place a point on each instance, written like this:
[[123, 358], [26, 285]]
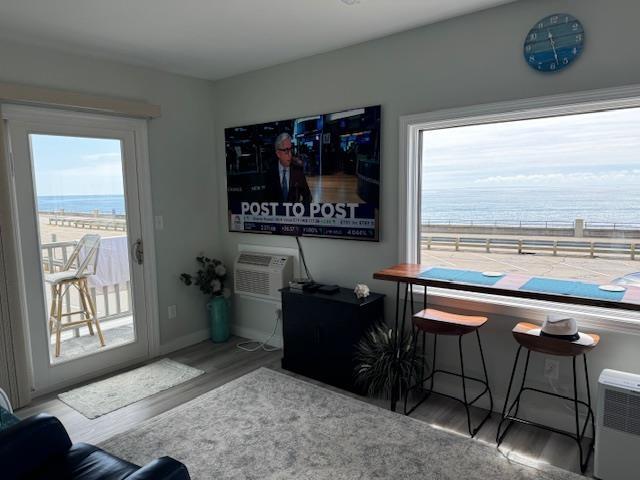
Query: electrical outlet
[[172, 312], [551, 369], [159, 222]]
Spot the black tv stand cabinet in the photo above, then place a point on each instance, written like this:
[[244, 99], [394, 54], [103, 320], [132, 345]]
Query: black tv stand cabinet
[[320, 333]]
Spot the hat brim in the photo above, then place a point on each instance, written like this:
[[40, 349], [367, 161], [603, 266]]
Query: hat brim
[[584, 340]]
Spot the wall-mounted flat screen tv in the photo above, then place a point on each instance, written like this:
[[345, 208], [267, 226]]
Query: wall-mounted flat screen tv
[[313, 176]]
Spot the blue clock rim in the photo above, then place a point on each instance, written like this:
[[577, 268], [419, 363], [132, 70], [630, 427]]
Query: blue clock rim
[[535, 28]]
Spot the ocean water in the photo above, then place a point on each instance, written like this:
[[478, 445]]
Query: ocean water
[[507, 204], [82, 203], [533, 204]]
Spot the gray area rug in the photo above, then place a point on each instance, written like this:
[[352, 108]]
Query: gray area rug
[[267, 425], [100, 398]]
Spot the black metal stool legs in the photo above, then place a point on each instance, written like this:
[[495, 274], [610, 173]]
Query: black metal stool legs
[[421, 379], [414, 345], [486, 390], [465, 401], [506, 400], [464, 387], [586, 378], [579, 435]]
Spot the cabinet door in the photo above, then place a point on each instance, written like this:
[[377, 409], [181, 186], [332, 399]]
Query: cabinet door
[[301, 318]]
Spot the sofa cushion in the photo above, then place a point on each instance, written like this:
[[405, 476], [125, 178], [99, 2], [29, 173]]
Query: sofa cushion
[[85, 462]]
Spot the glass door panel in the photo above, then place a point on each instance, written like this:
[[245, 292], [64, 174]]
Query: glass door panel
[[79, 187]]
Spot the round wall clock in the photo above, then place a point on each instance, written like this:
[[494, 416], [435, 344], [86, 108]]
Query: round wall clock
[[554, 42]]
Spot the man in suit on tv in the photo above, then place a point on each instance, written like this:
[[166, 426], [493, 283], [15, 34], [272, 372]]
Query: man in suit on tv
[[286, 182]]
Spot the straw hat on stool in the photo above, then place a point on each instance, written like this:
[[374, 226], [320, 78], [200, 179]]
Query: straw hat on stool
[[562, 327]]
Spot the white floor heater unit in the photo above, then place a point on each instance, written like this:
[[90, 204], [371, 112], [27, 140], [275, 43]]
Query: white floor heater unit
[[617, 450]]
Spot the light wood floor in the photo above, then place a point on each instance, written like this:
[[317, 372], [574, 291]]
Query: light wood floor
[[224, 362]]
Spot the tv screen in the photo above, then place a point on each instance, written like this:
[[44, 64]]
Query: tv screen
[[313, 176]]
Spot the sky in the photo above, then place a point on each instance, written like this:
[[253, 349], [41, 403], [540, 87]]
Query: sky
[[76, 166], [594, 149]]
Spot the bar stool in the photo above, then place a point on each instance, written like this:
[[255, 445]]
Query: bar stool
[[550, 346], [438, 323], [81, 264]]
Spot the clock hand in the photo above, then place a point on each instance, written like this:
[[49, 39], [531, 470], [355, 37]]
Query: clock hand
[[553, 46]]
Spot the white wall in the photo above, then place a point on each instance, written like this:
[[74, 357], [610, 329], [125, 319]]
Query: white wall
[[181, 157], [465, 61]]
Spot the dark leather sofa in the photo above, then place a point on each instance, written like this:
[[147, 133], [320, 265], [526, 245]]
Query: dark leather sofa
[[39, 448]]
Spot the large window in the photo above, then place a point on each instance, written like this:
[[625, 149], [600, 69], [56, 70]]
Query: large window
[[545, 193], [556, 197]]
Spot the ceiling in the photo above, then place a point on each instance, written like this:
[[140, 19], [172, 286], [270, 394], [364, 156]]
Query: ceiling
[[216, 38]]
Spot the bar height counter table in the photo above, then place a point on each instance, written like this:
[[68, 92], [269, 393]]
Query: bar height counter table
[[506, 285]]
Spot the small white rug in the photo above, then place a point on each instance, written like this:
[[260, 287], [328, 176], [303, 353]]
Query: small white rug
[[100, 398]]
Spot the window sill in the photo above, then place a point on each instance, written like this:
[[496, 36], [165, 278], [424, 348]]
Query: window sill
[[620, 321]]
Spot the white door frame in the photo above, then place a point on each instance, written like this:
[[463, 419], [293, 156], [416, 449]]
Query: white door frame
[[137, 128]]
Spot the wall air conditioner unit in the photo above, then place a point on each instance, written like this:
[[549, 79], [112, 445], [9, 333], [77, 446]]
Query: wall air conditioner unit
[[262, 275], [617, 426]]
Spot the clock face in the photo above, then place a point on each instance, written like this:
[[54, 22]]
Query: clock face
[[554, 42]]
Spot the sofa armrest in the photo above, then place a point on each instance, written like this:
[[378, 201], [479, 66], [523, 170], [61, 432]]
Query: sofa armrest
[[164, 468], [30, 443]]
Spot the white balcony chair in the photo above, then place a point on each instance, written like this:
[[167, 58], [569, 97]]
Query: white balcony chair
[[85, 255]]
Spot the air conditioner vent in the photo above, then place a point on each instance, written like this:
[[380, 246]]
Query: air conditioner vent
[[262, 275], [622, 411], [248, 281], [254, 259]]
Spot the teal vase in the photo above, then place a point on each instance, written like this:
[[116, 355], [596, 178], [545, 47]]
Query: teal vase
[[219, 319]]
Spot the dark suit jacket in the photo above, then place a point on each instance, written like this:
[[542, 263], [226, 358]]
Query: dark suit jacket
[[298, 189]]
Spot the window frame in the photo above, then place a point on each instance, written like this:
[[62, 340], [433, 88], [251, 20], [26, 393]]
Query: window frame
[[410, 153]]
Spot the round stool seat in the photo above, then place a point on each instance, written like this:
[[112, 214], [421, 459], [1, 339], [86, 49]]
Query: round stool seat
[[522, 332], [438, 322]]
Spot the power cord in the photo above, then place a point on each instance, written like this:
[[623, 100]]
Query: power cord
[[304, 261], [558, 391], [262, 345]]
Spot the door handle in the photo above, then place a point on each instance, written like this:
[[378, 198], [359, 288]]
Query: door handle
[[137, 251]]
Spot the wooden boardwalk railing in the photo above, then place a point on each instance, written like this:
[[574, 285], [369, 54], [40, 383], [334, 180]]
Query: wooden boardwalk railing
[[591, 248], [89, 223]]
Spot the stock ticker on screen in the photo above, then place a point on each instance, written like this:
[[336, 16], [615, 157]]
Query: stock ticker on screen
[[312, 176]]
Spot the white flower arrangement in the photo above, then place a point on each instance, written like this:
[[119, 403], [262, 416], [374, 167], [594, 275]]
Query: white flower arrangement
[[209, 278]]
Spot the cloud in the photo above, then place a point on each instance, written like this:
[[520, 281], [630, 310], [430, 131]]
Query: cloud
[[101, 157], [95, 165], [608, 178], [93, 174], [592, 148]]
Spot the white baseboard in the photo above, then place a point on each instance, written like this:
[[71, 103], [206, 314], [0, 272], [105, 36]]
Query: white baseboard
[[184, 341], [253, 334], [202, 335]]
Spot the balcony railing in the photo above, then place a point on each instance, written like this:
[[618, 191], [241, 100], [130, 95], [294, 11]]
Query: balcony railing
[[111, 301]]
